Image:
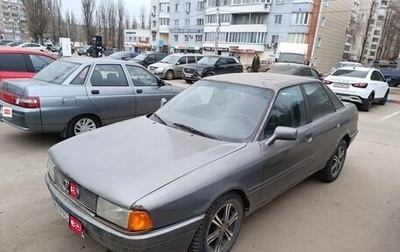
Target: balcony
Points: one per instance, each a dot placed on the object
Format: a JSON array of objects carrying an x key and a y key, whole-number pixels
[{"x": 244, "y": 8}]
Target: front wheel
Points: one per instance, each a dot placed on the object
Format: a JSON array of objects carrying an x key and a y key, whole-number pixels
[
  {"x": 367, "y": 104},
  {"x": 82, "y": 124},
  {"x": 335, "y": 164},
  {"x": 384, "y": 99},
  {"x": 220, "y": 226},
  {"x": 169, "y": 75}
]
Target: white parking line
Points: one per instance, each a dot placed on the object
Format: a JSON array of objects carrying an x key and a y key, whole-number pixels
[{"x": 382, "y": 119}]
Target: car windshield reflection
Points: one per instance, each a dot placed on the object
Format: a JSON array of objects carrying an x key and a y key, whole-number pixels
[
  {"x": 57, "y": 72},
  {"x": 228, "y": 112}
]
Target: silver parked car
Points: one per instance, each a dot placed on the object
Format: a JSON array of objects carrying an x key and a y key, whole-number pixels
[
  {"x": 183, "y": 178},
  {"x": 72, "y": 96},
  {"x": 171, "y": 66}
]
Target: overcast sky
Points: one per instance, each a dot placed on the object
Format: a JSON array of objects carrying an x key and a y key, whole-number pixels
[{"x": 132, "y": 7}]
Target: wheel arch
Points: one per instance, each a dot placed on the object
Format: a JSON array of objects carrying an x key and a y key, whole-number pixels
[{"x": 95, "y": 116}]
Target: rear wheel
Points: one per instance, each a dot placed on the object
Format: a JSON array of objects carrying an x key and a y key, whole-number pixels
[
  {"x": 220, "y": 226},
  {"x": 367, "y": 104},
  {"x": 82, "y": 124},
  {"x": 169, "y": 75},
  {"x": 335, "y": 164},
  {"x": 189, "y": 81}
]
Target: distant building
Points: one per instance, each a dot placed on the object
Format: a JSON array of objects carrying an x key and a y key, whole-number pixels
[
  {"x": 13, "y": 22},
  {"x": 137, "y": 40}
]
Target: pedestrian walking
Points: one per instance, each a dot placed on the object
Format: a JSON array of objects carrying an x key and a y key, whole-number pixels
[{"x": 255, "y": 65}]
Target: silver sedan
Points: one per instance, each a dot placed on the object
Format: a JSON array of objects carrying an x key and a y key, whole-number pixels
[{"x": 72, "y": 96}]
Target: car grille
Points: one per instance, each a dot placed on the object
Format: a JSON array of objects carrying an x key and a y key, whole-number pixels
[
  {"x": 87, "y": 198},
  {"x": 189, "y": 70},
  {"x": 152, "y": 68}
]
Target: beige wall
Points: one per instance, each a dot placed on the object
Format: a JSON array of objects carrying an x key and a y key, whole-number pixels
[{"x": 331, "y": 34}]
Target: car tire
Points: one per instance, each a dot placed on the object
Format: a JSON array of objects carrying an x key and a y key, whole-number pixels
[
  {"x": 367, "y": 104},
  {"x": 209, "y": 74},
  {"x": 210, "y": 235},
  {"x": 82, "y": 124},
  {"x": 189, "y": 81},
  {"x": 335, "y": 164},
  {"x": 169, "y": 75},
  {"x": 249, "y": 69},
  {"x": 384, "y": 99}
]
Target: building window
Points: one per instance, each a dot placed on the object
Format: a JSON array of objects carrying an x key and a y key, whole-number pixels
[
  {"x": 199, "y": 38},
  {"x": 175, "y": 38},
  {"x": 225, "y": 18},
  {"x": 188, "y": 8},
  {"x": 154, "y": 37},
  {"x": 176, "y": 22},
  {"x": 211, "y": 19},
  {"x": 319, "y": 42},
  {"x": 200, "y": 21},
  {"x": 278, "y": 19},
  {"x": 301, "y": 18},
  {"x": 280, "y": 1},
  {"x": 200, "y": 5},
  {"x": 186, "y": 38},
  {"x": 164, "y": 7},
  {"x": 187, "y": 22},
  {"x": 164, "y": 21},
  {"x": 297, "y": 38},
  {"x": 274, "y": 39},
  {"x": 176, "y": 7},
  {"x": 323, "y": 21},
  {"x": 154, "y": 23}
]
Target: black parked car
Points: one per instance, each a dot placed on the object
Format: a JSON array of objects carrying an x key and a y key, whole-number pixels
[
  {"x": 147, "y": 58},
  {"x": 211, "y": 65},
  {"x": 392, "y": 76},
  {"x": 123, "y": 55},
  {"x": 295, "y": 69}
]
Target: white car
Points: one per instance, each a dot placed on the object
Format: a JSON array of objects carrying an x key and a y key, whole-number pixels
[
  {"x": 32, "y": 46},
  {"x": 360, "y": 85}
]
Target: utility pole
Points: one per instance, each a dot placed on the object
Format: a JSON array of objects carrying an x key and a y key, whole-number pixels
[{"x": 217, "y": 28}]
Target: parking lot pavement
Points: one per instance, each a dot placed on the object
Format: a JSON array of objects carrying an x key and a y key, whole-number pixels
[{"x": 358, "y": 212}]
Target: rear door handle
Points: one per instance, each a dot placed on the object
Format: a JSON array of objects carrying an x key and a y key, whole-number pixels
[
  {"x": 139, "y": 91},
  {"x": 95, "y": 91}
]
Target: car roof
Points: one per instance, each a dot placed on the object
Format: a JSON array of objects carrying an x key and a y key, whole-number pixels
[
  {"x": 105, "y": 60},
  {"x": 186, "y": 54},
  {"x": 262, "y": 80},
  {"x": 7, "y": 49},
  {"x": 361, "y": 69}
]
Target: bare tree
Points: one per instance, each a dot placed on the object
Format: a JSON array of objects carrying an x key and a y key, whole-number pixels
[
  {"x": 111, "y": 23},
  {"x": 142, "y": 17},
  {"x": 121, "y": 15},
  {"x": 88, "y": 7},
  {"x": 389, "y": 44},
  {"x": 370, "y": 17},
  {"x": 37, "y": 13}
]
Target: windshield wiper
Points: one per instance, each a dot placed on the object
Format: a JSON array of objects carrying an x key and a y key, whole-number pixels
[
  {"x": 195, "y": 131},
  {"x": 159, "y": 119}
]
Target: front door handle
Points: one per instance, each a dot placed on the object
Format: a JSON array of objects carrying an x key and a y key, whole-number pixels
[
  {"x": 139, "y": 91},
  {"x": 95, "y": 91}
]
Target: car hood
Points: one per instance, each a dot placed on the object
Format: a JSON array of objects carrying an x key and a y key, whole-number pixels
[
  {"x": 126, "y": 161},
  {"x": 344, "y": 79},
  {"x": 20, "y": 86}
]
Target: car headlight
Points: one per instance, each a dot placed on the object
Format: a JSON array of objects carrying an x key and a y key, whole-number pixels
[
  {"x": 50, "y": 168},
  {"x": 133, "y": 220},
  {"x": 160, "y": 69}
]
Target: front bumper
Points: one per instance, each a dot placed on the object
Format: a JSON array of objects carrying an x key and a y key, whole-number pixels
[
  {"x": 191, "y": 77},
  {"x": 176, "y": 237}
]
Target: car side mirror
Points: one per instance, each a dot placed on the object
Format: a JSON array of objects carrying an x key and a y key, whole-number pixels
[
  {"x": 163, "y": 101},
  {"x": 282, "y": 133},
  {"x": 177, "y": 63}
]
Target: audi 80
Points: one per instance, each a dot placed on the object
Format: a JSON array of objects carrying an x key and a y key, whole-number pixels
[
  {"x": 183, "y": 178},
  {"x": 73, "y": 96}
]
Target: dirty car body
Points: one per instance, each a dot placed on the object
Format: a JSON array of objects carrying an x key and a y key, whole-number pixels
[
  {"x": 72, "y": 96},
  {"x": 183, "y": 178}
]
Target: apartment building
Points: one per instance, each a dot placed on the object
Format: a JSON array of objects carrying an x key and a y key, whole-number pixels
[
  {"x": 332, "y": 32},
  {"x": 13, "y": 22},
  {"x": 160, "y": 23}
]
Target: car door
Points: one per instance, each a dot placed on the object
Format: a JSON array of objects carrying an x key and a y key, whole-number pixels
[
  {"x": 286, "y": 162},
  {"x": 109, "y": 91},
  {"x": 380, "y": 82},
  {"x": 148, "y": 90},
  {"x": 178, "y": 67},
  {"x": 326, "y": 122},
  {"x": 14, "y": 65},
  {"x": 221, "y": 66}
]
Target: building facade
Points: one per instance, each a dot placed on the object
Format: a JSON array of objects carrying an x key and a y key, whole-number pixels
[
  {"x": 137, "y": 40},
  {"x": 13, "y": 22}
]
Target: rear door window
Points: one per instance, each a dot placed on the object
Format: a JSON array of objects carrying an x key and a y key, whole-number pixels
[{"x": 13, "y": 62}]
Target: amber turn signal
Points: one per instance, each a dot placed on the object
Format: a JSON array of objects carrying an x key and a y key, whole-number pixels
[{"x": 140, "y": 221}]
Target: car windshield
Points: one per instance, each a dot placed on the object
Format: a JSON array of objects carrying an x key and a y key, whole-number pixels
[
  {"x": 208, "y": 60},
  {"x": 172, "y": 59},
  {"x": 57, "y": 72},
  {"x": 350, "y": 73},
  {"x": 141, "y": 56},
  {"x": 229, "y": 112}
]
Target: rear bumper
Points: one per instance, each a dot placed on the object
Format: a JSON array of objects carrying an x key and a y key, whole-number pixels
[
  {"x": 176, "y": 237},
  {"x": 22, "y": 118},
  {"x": 351, "y": 98}
]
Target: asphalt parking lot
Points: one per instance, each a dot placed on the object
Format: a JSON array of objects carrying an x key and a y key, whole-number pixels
[{"x": 358, "y": 212}]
